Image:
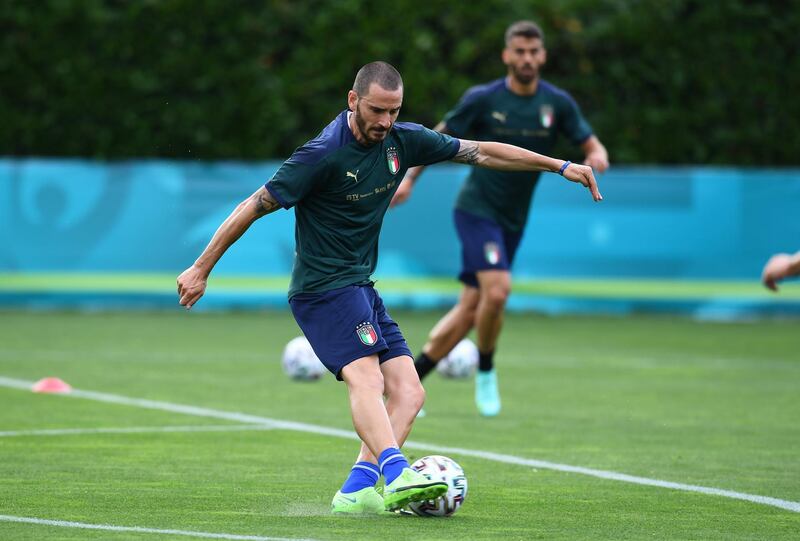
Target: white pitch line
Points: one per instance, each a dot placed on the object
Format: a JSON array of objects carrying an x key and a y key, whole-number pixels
[
  {"x": 188, "y": 410},
  {"x": 132, "y": 430},
  {"x": 111, "y": 528},
  {"x": 614, "y": 476},
  {"x": 486, "y": 455}
]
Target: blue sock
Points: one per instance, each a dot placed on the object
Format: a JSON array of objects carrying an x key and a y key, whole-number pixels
[
  {"x": 392, "y": 463},
  {"x": 363, "y": 475}
]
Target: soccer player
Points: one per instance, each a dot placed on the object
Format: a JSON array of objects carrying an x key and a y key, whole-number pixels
[
  {"x": 492, "y": 207},
  {"x": 340, "y": 185},
  {"x": 779, "y": 267}
]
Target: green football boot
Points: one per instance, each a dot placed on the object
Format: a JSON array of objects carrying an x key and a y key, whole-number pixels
[
  {"x": 411, "y": 486},
  {"x": 366, "y": 501}
]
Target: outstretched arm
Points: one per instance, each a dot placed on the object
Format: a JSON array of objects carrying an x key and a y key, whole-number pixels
[
  {"x": 596, "y": 154},
  {"x": 192, "y": 282},
  {"x": 778, "y": 267},
  {"x": 511, "y": 158},
  {"x": 404, "y": 190}
]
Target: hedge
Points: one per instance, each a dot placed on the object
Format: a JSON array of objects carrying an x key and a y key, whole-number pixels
[{"x": 661, "y": 81}]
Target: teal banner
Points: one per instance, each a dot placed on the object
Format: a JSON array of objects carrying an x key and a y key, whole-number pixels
[{"x": 156, "y": 216}]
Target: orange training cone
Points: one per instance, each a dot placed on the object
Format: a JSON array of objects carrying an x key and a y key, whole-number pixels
[{"x": 51, "y": 385}]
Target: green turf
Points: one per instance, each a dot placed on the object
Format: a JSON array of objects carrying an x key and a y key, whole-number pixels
[
  {"x": 698, "y": 403},
  {"x": 629, "y": 289}
]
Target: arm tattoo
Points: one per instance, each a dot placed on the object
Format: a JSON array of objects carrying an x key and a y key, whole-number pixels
[
  {"x": 265, "y": 203},
  {"x": 468, "y": 153}
]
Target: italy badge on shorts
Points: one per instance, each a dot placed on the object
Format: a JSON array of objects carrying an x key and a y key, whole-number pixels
[
  {"x": 366, "y": 333},
  {"x": 393, "y": 160},
  {"x": 492, "y": 253}
]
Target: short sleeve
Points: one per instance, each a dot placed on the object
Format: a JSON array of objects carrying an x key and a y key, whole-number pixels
[
  {"x": 572, "y": 123},
  {"x": 294, "y": 181},
  {"x": 462, "y": 117},
  {"x": 427, "y": 147}
]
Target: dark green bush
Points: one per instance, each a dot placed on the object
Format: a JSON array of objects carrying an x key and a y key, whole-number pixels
[{"x": 662, "y": 81}]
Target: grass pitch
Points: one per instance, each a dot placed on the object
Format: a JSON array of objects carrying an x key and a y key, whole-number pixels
[{"x": 706, "y": 404}]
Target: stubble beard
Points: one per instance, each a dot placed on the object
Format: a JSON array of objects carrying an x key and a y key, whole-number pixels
[
  {"x": 361, "y": 125},
  {"x": 526, "y": 77}
]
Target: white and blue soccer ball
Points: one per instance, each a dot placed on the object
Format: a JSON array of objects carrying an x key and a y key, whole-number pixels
[
  {"x": 461, "y": 362},
  {"x": 441, "y": 468},
  {"x": 300, "y": 362}
]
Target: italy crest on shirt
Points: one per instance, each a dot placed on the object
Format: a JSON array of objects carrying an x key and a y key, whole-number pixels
[
  {"x": 366, "y": 333},
  {"x": 546, "y": 115},
  {"x": 393, "y": 160}
]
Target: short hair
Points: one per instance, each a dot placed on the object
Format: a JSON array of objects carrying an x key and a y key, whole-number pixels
[
  {"x": 527, "y": 29},
  {"x": 379, "y": 72}
]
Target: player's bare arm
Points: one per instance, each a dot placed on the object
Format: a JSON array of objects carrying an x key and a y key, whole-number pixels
[
  {"x": 404, "y": 190},
  {"x": 596, "y": 154},
  {"x": 505, "y": 157},
  {"x": 192, "y": 282}
]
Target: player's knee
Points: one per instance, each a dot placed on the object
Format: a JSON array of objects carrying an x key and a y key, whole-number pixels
[
  {"x": 369, "y": 382},
  {"x": 415, "y": 395},
  {"x": 468, "y": 311},
  {"x": 497, "y": 295},
  {"x": 409, "y": 394},
  {"x": 468, "y": 303}
]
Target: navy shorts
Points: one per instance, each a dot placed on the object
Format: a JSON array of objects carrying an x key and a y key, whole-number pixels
[
  {"x": 346, "y": 324},
  {"x": 484, "y": 246}
]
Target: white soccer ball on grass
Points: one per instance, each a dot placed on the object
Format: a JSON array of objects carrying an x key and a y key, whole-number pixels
[
  {"x": 461, "y": 362},
  {"x": 437, "y": 467},
  {"x": 300, "y": 362}
]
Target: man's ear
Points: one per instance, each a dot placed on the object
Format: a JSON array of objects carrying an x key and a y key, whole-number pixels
[{"x": 352, "y": 100}]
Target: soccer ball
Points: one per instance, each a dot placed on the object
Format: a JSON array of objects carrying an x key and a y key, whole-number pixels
[
  {"x": 300, "y": 362},
  {"x": 437, "y": 467},
  {"x": 461, "y": 362}
]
